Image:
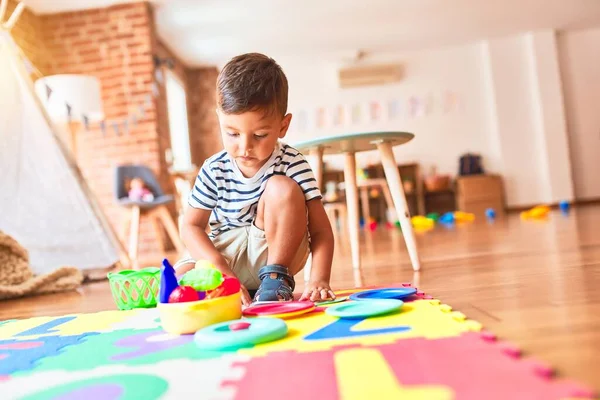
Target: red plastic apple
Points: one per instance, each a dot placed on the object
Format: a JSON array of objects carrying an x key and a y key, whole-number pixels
[
  {"x": 230, "y": 285},
  {"x": 183, "y": 294}
]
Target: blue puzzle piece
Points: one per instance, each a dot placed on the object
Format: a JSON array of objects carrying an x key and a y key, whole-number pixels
[
  {"x": 342, "y": 328},
  {"x": 21, "y": 355},
  {"x": 48, "y": 327}
]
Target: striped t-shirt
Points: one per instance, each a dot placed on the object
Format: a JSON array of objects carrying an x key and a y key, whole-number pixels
[{"x": 233, "y": 198}]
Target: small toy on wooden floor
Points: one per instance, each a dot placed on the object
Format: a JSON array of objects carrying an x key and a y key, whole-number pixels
[
  {"x": 421, "y": 223},
  {"x": 564, "y": 207},
  {"x": 537, "y": 212},
  {"x": 490, "y": 213}
]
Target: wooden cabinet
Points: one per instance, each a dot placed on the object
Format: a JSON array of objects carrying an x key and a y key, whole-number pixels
[{"x": 477, "y": 193}]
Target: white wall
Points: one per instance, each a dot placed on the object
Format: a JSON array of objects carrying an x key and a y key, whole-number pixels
[
  {"x": 441, "y": 137},
  {"x": 579, "y": 54},
  {"x": 512, "y": 111},
  {"x": 527, "y": 118}
]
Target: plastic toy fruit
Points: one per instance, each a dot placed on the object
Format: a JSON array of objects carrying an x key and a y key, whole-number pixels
[
  {"x": 182, "y": 294},
  {"x": 202, "y": 279},
  {"x": 204, "y": 264},
  {"x": 230, "y": 285}
]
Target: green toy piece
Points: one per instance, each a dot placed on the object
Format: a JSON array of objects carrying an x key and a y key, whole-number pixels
[
  {"x": 434, "y": 216},
  {"x": 202, "y": 279},
  {"x": 135, "y": 288}
]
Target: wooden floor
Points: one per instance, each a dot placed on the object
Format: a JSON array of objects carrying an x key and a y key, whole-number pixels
[{"x": 534, "y": 283}]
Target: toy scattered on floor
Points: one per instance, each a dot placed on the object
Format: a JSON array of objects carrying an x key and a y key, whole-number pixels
[
  {"x": 328, "y": 302},
  {"x": 187, "y": 309},
  {"x": 537, "y": 212},
  {"x": 460, "y": 216},
  {"x": 285, "y": 309},
  {"x": 433, "y": 216},
  {"x": 372, "y": 224},
  {"x": 365, "y": 309},
  {"x": 135, "y": 289},
  {"x": 490, "y": 213},
  {"x": 456, "y": 216},
  {"x": 138, "y": 191},
  {"x": 420, "y": 222},
  {"x": 397, "y": 293},
  {"x": 233, "y": 335},
  {"x": 564, "y": 206},
  {"x": 447, "y": 218}
]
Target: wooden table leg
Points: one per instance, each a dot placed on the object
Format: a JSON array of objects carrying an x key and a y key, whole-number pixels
[
  {"x": 395, "y": 183},
  {"x": 388, "y": 201},
  {"x": 352, "y": 205},
  {"x": 316, "y": 163}
]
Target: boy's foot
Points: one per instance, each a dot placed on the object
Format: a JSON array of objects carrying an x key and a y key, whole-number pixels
[{"x": 276, "y": 284}]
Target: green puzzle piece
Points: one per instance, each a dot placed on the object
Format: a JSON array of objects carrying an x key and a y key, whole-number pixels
[
  {"x": 125, "y": 387},
  {"x": 129, "y": 347}
]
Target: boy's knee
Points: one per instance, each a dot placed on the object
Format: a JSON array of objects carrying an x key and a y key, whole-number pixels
[{"x": 282, "y": 188}]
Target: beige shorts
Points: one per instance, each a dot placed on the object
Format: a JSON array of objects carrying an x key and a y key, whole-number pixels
[{"x": 246, "y": 251}]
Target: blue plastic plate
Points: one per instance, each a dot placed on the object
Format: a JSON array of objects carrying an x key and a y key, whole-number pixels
[
  {"x": 364, "y": 309},
  {"x": 386, "y": 293}
]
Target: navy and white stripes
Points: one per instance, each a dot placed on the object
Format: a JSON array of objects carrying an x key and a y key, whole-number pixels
[{"x": 233, "y": 198}]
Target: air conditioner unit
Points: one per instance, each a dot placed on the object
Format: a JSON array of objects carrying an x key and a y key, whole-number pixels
[{"x": 369, "y": 75}]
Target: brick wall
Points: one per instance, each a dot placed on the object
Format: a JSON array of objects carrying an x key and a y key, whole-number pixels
[
  {"x": 205, "y": 137},
  {"x": 117, "y": 44}
]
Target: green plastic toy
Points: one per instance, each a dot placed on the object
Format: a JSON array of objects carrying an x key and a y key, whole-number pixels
[
  {"x": 434, "y": 216},
  {"x": 135, "y": 289},
  {"x": 202, "y": 279}
]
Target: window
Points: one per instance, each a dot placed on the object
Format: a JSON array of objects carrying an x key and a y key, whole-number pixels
[{"x": 178, "y": 123}]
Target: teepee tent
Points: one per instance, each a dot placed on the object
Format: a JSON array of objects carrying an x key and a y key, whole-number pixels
[{"x": 45, "y": 203}]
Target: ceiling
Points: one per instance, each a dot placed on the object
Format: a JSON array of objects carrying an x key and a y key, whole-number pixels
[{"x": 209, "y": 32}]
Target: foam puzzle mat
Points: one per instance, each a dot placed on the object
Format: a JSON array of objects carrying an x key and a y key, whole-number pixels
[{"x": 425, "y": 351}]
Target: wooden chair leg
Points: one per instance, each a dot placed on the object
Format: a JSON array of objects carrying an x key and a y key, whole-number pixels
[
  {"x": 154, "y": 219},
  {"x": 352, "y": 204},
  {"x": 134, "y": 236},
  {"x": 364, "y": 202},
  {"x": 395, "y": 184},
  {"x": 163, "y": 213}
]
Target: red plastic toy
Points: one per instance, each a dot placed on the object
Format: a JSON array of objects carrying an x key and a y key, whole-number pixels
[{"x": 183, "y": 294}]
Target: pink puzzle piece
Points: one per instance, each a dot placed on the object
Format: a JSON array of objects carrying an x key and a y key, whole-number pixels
[{"x": 472, "y": 366}]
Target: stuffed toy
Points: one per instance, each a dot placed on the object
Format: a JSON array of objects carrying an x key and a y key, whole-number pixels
[{"x": 138, "y": 191}]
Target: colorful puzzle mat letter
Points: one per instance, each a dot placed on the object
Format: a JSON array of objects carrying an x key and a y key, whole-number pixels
[{"x": 423, "y": 351}]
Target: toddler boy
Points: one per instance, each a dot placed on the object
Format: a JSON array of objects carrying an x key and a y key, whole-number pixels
[{"x": 259, "y": 195}]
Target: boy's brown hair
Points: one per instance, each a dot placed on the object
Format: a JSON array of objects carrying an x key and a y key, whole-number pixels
[{"x": 251, "y": 82}]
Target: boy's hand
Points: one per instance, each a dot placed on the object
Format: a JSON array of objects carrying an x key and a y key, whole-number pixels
[
  {"x": 246, "y": 299},
  {"x": 317, "y": 291}
]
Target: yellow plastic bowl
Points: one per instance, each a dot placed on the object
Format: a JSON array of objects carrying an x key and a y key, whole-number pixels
[{"x": 188, "y": 317}]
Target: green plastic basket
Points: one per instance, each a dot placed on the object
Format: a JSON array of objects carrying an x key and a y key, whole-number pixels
[{"x": 135, "y": 289}]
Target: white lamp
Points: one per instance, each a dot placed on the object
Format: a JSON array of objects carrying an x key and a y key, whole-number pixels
[{"x": 81, "y": 92}]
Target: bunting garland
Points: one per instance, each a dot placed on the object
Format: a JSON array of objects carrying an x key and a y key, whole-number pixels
[{"x": 414, "y": 106}]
